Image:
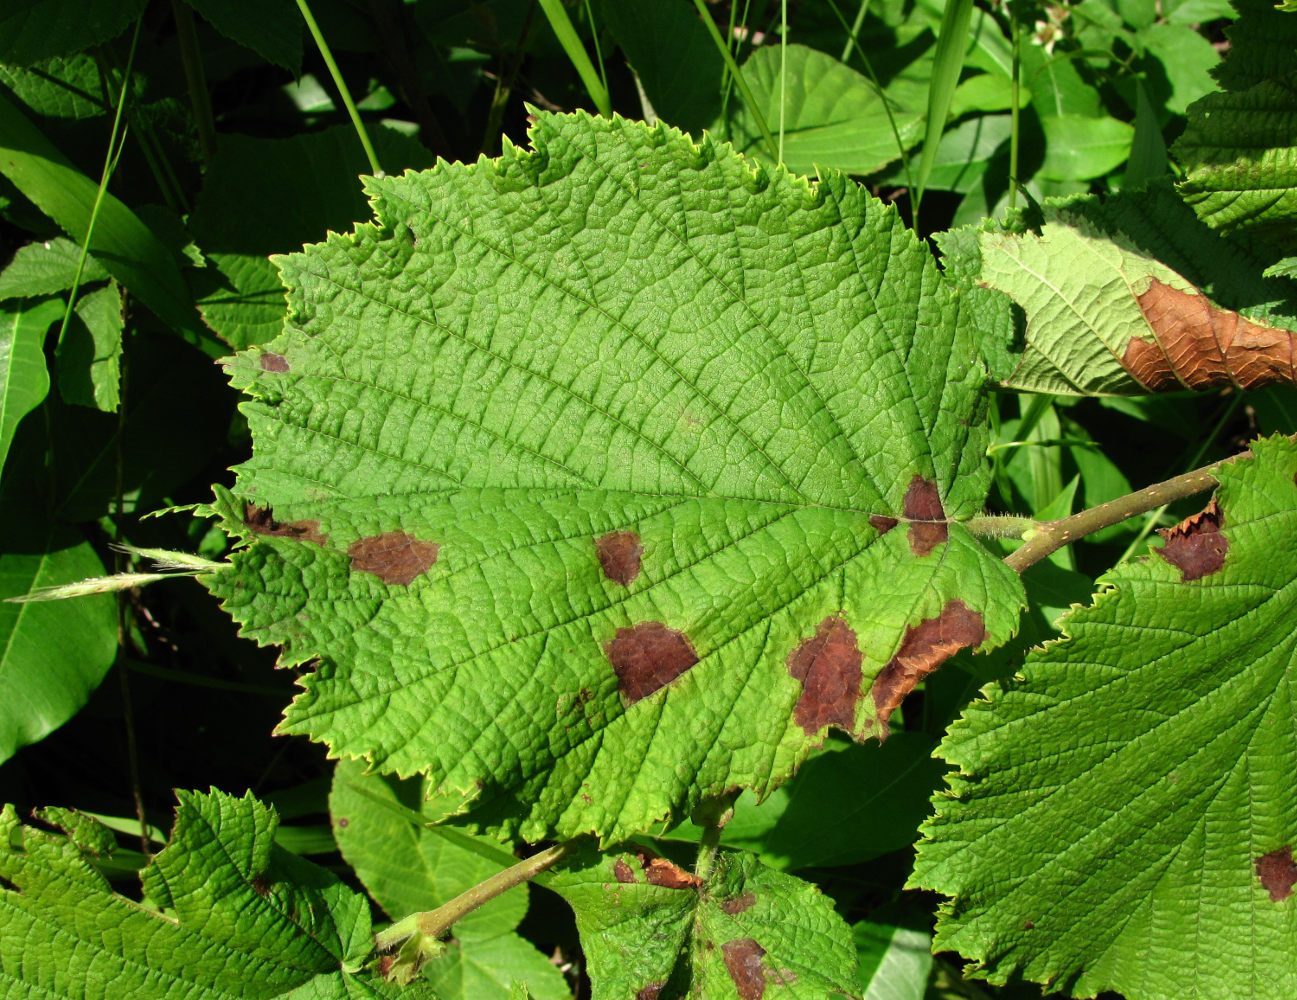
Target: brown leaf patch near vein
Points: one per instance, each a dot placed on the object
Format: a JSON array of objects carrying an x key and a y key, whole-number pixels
[
  {"x": 394, "y": 556},
  {"x": 922, "y": 508},
  {"x": 1202, "y": 346},
  {"x": 262, "y": 521},
  {"x": 619, "y": 555},
  {"x": 742, "y": 958},
  {"x": 1277, "y": 873},
  {"x": 739, "y": 903},
  {"x": 925, "y": 647},
  {"x": 828, "y": 665},
  {"x": 647, "y": 657},
  {"x": 1195, "y": 546},
  {"x": 271, "y": 362}
]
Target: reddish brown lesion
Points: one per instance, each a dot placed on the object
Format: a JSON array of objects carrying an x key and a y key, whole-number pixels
[
  {"x": 925, "y": 647},
  {"x": 395, "y": 557},
  {"x": 647, "y": 657},
  {"x": 926, "y": 516},
  {"x": 272, "y": 362},
  {"x": 1198, "y": 345},
  {"x": 1196, "y": 546},
  {"x": 1277, "y": 873},
  {"x": 619, "y": 554},
  {"x": 743, "y": 959},
  {"x": 262, "y": 521},
  {"x": 828, "y": 666}
]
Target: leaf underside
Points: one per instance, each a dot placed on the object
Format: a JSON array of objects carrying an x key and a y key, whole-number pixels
[
  {"x": 1123, "y": 817},
  {"x": 605, "y": 476}
]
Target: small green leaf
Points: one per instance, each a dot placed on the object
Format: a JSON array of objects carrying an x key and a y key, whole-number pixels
[
  {"x": 650, "y": 929},
  {"x": 24, "y": 380},
  {"x": 89, "y": 355},
  {"x": 1121, "y": 814},
  {"x": 54, "y": 654},
  {"x": 275, "y": 33},
  {"x": 832, "y": 115},
  {"x": 122, "y": 243},
  {"x": 1079, "y": 148},
  {"x": 31, "y": 30},
  {"x": 45, "y": 268},
  {"x": 895, "y": 960},
  {"x": 239, "y": 916}
]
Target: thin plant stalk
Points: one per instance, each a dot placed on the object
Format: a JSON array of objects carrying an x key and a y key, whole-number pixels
[
  {"x": 739, "y": 82},
  {"x": 195, "y": 79},
  {"x": 1015, "y": 73},
  {"x": 341, "y": 84},
  {"x": 116, "y": 141},
  {"x": 577, "y": 55},
  {"x": 783, "y": 73}
]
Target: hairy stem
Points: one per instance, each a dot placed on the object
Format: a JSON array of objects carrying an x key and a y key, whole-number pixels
[
  {"x": 434, "y": 923},
  {"x": 711, "y": 814},
  {"x": 1053, "y": 535}
]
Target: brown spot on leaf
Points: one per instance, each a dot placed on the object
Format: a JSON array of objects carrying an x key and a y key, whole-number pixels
[
  {"x": 828, "y": 665},
  {"x": 882, "y": 523},
  {"x": 1028, "y": 925},
  {"x": 1195, "y": 546},
  {"x": 262, "y": 521},
  {"x": 648, "y": 656},
  {"x": 273, "y": 362},
  {"x": 1202, "y": 346},
  {"x": 343, "y": 822},
  {"x": 394, "y": 556},
  {"x": 619, "y": 554},
  {"x": 925, "y": 647},
  {"x": 661, "y": 872},
  {"x": 650, "y": 991},
  {"x": 260, "y": 884},
  {"x": 738, "y": 904},
  {"x": 922, "y": 507},
  {"x": 1277, "y": 873},
  {"x": 743, "y": 962},
  {"x": 623, "y": 872}
]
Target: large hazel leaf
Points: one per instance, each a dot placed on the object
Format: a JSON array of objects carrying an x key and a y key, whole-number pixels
[
  {"x": 1123, "y": 817},
  {"x": 599, "y": 478},
  {"x": 239, "y": 916},
  {"x": 651, "y": 930}
]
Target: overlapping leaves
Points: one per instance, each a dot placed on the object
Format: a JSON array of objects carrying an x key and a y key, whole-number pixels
[
  {"x": 1123, "y": 818},
  {"x": 605, "y": 476}
]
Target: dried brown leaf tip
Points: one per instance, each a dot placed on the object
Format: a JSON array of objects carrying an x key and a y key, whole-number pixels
[
  {"x": 648, "y": 656},
  {"x": 619, "y": 554},
  {"x": 1277, "y": 873},
  {"x": 262, "y": 521},
  {"x": 743, "y": 962},
  {"x": 1195, "y": 546},
  {"x": 394, "y": 557},
  {"x": 271, "y": 362},
  {"x": 1202, "y": 346},
  {"x": 657, "y": 871},
  {"x": 922, "y": 508},
  {"x": 828, "y": 665},
  {"x": 925, "y": 647}
]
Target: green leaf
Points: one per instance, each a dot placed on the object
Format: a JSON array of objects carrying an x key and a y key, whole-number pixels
[
  {"x": 275, "y": 33},
  {"x": 54, "y": 653},
  {"x": 24, "y": 380},
  {"x": 89, "y": 355},
  {"x": 895, "y": 960},
  {"x": 122, "y": 243},
  {"x": 1104, "y": 317},
  {"x": 239, "y": 916},
  {"x": 832, "y": 115},
  {"x": 31, "y": 30},
  {"x": 648, "y": 463},
  {"x": 45, "y": 268},
  {"x": 1187, "y": 59},
  {"x": 409, "y": 867},
  {"x": 1240, "y": 161},
  {"x": 1122, "y": 814},
  {"x": 966, "y": 152},
  {"x": 61, "y": 87},
  {"x": 1262, "y": 45},
  {"x": 265, "y": 196},
  {"x": 649, "y": 929},
  {"x": 947, "y": 63},
  {"x": 1079, "y": 148}
]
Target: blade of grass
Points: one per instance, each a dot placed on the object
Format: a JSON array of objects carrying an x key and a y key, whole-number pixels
[
  {"x": 739, "y": 82},
  {"x": 576, "y": 53},
  {"x": 120, "y": 241},
  {"x": 1016, "y": 33},
  {"x": 191, "y": 59},
  {"x": 327, "y": 54},
  {"x": 946, "y": 67}
]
